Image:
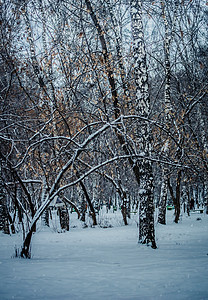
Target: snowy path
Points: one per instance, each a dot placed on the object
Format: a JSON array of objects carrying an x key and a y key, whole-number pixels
[{"x": 96, "y": 263}]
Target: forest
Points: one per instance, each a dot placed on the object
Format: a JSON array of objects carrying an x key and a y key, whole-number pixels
[{"x": 103, "y": 104}]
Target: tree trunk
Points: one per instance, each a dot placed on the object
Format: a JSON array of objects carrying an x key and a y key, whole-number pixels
[
  {"x": 176, "y": 199},
  {"x": 64, "y": 218},
  {"x": 83, "y": 209},
  {"x": 188, "y": 200},
  {"x": 4, "y": 224},
  {"x": 146, "y": 210},
  {"x": 178, "y": 194},
  {"x": 206, "y": 196},
  {"x": 124, "y": 206},
  {"x": 72, "y": 205},
  {"x": 167, "y": 111},
  {"x": 124, "y": 213},
  {"x": 25, "y": 252},
  {"x": 205, "y": 154},
  {"x": 163, "y": 198},
  {"x": 92, "y": 210}
]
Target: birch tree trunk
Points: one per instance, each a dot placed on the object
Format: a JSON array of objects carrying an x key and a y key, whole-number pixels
[
  {"x": 205, "y": 154},
  {"x": 146, "y": 209},
  {"x": 168, "y": 110},
  {"x": 163, "y": 197},
  {"x": 4, "y": 224}
]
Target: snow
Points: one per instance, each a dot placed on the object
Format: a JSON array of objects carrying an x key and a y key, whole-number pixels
[{"x": 108, "y": 263}]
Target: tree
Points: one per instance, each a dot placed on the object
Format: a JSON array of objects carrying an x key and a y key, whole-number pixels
[
  {"x": 146, "y": 210},
  {"x": 4, "y": 220},
  {"x": 168, "y": 112}
]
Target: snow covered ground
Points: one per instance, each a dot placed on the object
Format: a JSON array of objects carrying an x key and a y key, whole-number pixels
[{"x": 108, "y": 263}]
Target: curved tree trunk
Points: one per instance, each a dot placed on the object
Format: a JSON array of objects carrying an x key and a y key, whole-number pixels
[
  {"x": 72, "y": 205},
  {"x": 92, "y": 210},
  {"x": 25, "y": 252}
]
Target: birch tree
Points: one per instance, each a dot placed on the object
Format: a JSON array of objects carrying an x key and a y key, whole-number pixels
[
  {"x": 146, "y": 208},
  {"x": 168, "y": 111}
]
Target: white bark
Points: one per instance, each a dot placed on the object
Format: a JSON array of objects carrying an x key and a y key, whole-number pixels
[{"x": 146, "y": 211}]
